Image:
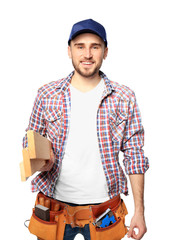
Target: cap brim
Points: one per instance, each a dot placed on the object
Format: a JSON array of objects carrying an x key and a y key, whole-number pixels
[{"x": 85, "y": 31}]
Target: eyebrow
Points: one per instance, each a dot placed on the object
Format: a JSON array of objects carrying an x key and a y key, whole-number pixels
[{"x": 93, "y": 44}]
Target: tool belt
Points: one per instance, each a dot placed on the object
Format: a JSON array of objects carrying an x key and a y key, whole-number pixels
[{"x": 62, "y": 214}]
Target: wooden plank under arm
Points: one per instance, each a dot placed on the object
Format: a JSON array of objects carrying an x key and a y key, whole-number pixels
[
  {"x": 35, "y": 156},
  {"x": 26, "y": 162},
  {"x": 22, "y": 172},
  {"x": 39, "y": 146}
]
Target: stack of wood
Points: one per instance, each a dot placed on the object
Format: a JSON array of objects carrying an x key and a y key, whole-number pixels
[{"x": 35, "y": 155}]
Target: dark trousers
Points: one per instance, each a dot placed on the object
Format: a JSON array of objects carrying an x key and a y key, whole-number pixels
[{"x": 70, "y": 232}]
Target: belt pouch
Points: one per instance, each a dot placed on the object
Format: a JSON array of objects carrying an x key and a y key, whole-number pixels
[
  {"x": 48, "y": 230},
  {"x": 115, "y": 231},
  {"x": 42, "y": 229}
]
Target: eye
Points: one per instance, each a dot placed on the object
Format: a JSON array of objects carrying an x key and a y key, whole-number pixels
[
  {"x": 80, "y": 47},
  {"x": 95, "y": 47}
]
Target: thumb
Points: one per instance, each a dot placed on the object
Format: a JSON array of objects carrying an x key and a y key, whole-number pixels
[{"x": 129, "y": 233}]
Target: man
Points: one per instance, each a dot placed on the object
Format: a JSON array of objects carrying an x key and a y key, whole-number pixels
[{"x": 89, "y": 120}]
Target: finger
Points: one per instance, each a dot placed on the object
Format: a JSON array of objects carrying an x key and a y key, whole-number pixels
[
  {"x": 130, "y": 232},
  {"x": 47, "y": 166},
  {"x": 139, "y": 235},
  {"x": 52, "y": 156},
  {"x": 134, "y": 236}
]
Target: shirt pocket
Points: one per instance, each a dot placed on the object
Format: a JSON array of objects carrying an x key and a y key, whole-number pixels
[
  {"x": 117, "y": 125},
  {"x": 53, "y": 122}
]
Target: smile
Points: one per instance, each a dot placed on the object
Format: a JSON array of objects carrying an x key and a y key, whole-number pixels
[{"x": 87, "y": 63}]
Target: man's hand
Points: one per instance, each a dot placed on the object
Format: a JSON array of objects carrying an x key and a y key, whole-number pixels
[
  {"x": 138, "y": 221},
  {"x": 49, "y": 163}
]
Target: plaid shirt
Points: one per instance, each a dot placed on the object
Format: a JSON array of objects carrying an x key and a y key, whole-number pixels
[{"x": 119, "y": 128}]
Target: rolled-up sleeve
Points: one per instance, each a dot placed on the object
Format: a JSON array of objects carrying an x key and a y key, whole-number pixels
[
  {"x": 135, "y": 161},
  {"x": 36, "y": 122}
]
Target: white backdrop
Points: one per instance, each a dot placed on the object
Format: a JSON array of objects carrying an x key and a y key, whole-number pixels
[{"x": 33, "y": 51}]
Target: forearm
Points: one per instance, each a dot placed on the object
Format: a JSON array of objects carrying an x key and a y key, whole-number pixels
[
  {"x": 137, "y": 184},
  {"x": 138, "y": 220}
]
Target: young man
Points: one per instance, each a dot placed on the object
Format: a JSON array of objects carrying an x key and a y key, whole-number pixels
[{"x": 89, "y": 120}]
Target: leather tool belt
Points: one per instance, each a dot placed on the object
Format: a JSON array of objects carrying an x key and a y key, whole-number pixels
[{"x": 62, "y": 214}]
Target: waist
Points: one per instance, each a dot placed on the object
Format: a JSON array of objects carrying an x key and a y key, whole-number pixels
[
  {"x": 75, "y": 214},
  {"x": 111, "y": 203},
  {"x": 75, "y": 204}
]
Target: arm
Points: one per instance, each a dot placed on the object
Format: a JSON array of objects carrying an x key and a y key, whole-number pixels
[
  {"x": 136, "y": 164},
  {"x": 36, "y": 121},
  {"x": 138, "y": 220},
  {"x": 37, "y": 124}
]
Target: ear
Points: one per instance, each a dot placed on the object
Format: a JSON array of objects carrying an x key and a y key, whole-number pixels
[
  {"x": 105, "y": 52},
  {"x": 69, "y": 52}
]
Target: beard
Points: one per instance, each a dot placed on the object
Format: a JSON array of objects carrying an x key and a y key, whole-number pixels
[{"x": 88, "y": 73}]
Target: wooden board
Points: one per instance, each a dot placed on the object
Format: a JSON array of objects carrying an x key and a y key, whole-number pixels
[
  {"x": 26, "y": 162},
  {"x": 22, "y": 172},
  {"x": 39, "y": 146},
  {"x": 35, "y": 156}
]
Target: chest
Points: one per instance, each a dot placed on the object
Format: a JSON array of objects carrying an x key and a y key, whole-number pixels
[{"x": 109, "y": 113}]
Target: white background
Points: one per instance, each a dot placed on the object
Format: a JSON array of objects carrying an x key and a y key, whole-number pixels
[{"x": 33, "y": 51}]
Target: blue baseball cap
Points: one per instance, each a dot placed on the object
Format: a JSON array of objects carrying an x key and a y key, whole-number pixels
[{"x": 88, "y": 26}]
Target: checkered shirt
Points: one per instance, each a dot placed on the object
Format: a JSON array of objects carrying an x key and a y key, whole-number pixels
[{"x": 119, "y": 128}]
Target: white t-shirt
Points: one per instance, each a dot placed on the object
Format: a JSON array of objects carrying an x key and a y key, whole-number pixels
[{"x": 82, "y": 179}]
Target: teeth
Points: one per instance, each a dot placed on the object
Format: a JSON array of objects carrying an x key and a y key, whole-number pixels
[{"x": 87, "y": 63}]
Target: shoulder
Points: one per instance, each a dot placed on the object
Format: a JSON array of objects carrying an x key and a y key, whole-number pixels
[
  {"x": 122, "y": 91},
  {"x": 119, "y": 91},
  {"x": 55, "y": 87},
  {"x": 50, "y": 89}
]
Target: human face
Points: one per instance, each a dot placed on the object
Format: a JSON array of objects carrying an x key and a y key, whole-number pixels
[{"x": 87, "y": 52}]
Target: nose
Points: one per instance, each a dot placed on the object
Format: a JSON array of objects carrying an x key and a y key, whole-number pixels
[{"x": 88, "y": 53}]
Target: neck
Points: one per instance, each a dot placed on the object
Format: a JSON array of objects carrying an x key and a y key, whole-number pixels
[{"x": 85, "y": 83}]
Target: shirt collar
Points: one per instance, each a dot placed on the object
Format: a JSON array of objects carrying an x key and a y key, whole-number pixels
[
  {"x": 65, "y": 82},
  {"x": 109, "y": 84}
]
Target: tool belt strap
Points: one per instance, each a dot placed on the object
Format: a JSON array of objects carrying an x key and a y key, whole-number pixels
[{"x": 78, "y": 216}]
